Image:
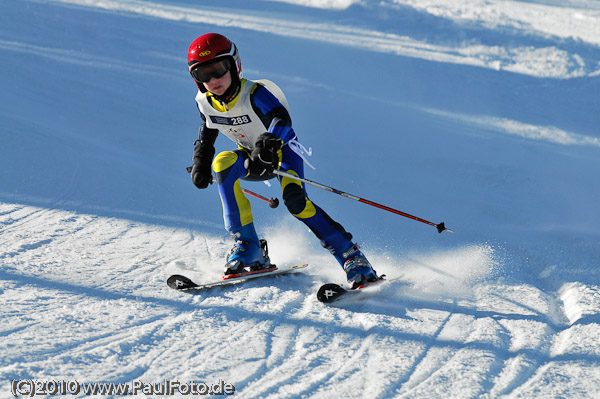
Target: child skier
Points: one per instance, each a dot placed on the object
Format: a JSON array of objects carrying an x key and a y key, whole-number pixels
[{"x": 254, "y": 115}]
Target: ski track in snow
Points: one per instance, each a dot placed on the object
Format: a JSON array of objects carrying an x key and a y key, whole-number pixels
[{"x": 84, "y": 297}]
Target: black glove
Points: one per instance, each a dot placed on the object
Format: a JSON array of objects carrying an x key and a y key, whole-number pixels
[
  {"x": 202, "y": 171},
  {"x": 265, "y": 156}
]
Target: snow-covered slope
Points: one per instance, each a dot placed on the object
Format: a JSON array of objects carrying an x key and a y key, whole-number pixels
[{"x": 480, "y": 114}]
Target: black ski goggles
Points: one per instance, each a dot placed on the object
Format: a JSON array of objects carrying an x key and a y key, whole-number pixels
[{"x": 204, "y": 73}]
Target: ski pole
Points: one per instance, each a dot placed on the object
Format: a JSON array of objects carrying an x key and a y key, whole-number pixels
[
  {"x": 440, "y": 226},
  {"x": 273, "y": 202}
]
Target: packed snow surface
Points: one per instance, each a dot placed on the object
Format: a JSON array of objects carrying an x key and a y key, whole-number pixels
[{"x": 481, "y": 114}]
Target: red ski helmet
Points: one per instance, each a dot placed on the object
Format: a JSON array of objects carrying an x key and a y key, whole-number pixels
[{"x": 211, "y": 47}]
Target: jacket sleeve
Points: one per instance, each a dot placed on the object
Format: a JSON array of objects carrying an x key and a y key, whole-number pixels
[
  {"x": 274, "y": 116},
  {"x": 204, "y": 146}
]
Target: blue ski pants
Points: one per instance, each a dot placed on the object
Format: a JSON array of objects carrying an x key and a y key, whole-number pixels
[{"x": 237, "y": 211}]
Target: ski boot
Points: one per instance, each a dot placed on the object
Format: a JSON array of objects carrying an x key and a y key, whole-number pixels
[
  {"x": 359, "y": 271},
  {"x": 353, "y": 261},
  {"x": 248, "y": 252}
]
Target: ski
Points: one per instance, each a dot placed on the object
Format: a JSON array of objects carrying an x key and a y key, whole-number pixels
[
  {"x": 330, "y": 292},
  {"x": 182, "y": 283}
]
